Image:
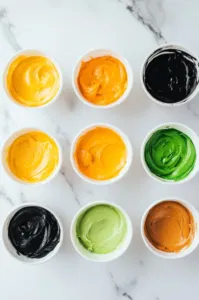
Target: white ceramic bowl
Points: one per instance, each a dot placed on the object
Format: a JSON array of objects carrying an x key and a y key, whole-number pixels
[
  {"x": 183, "y": 252},
  {"x": 190, "y": 133},
  {"x": 98, "y": 53},
  {"x": 31, "y": 52},
  {"x": 101, "y": 257},
  {"x": 126, "y": 142},
  {"x": 8, "y": 142},
  {"x": 143, "y": 68},
  {"x": 10, "y": 248}
]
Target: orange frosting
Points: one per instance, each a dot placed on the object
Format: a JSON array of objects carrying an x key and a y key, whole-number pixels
[
  {"x": 102, "y": 80},
  {"x": 100, "y": 153}
]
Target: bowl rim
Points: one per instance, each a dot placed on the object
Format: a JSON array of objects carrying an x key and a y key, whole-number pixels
[
  {"x": 165, "y": 126},
  {"x": 142, "y": 70},
  {"x": 30, "y": 261},
  {"x": 183, "y": 252},
  {"x": 112, "y": 53},
  {"x": 34, "y": 52},
  {"x": 101, "y": 257}
]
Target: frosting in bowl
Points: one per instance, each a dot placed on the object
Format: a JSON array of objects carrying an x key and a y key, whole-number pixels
[
  {"x": 101, "y": 228},
  {"x": 170, "y": 154},
  {"x": 102, "y": 80},
  {"x": 169, "y": 226},
  {"x": 32, "y": 80},
  {"x": 100, "y": 153},
  {"x": 33, "y": 157},
  {"x": 34, "y": 232},
  {"x": 171, "y": 75}
]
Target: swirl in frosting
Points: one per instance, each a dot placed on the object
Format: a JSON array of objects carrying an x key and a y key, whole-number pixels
[
  {"x": 33, "y": 156},
  {"x": 102, "y": 80},
  {"x": 34, "y": 232},
  {"x": 169, "y": 226},
  {"x": 170, "y": 154},
  {"x": 101, "y": 228},
  {"x": 33, "y": 80},
  {"x": 100, "y": 153}
]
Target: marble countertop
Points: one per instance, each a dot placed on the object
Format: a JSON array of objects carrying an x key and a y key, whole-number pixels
[{"x": 66, "y": 29}]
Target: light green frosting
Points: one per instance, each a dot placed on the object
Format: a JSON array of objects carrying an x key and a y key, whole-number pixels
[
  {"x": 101, "y": 228},
  {"x": 170, "y": 154}
]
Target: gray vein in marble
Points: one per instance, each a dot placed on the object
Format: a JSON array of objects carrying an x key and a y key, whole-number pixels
[
  {"x": 8, "y": 29},
  {"x": 127, "y": 296},
  {"x": 23, "y": 198},
  {"x": 5, "y": 196},
  {"x": 193, "y": 109},
  {"x": 123, "y": 290},
  {"x": 62, "y": 135},
  {"x": 143, "y": 13},
  {"x": 117, "y": 288},
  {"x": 63, "y": 172},
  {"x": 59, "y": 132},
  {"x": 70, "y": 184}
]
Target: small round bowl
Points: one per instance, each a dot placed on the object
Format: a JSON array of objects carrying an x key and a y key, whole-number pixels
[
  {"x": 143, "y": 68},
  {"x": 10, "y": 248},
  {"x": 183, "y": 252},
  {"x": 123, "y": 171},
  {"x": 31, "y": 52},
  {"x": 101, "y": 257},
  {"x": 190, "y": 133},
  {"x": 98, "y": 53},
  {"x": 8, "y": 142}
]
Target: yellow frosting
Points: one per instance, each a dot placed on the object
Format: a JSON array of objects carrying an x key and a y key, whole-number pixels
[
  {"x": 33, "y": 80},
  {"x": 100, "y": 153},
  {"x": 33, "y": 156}
]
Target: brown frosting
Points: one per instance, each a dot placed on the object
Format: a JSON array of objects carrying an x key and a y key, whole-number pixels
[{"x": 169, "y": 226}]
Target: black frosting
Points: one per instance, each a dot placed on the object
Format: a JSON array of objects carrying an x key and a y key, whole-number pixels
[
  {"x": 34, "y": 232},
  {"x": 171, "y": 75}
]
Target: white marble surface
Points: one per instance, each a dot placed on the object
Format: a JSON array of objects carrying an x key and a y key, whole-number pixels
[{"x": 66, "y": 29}]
